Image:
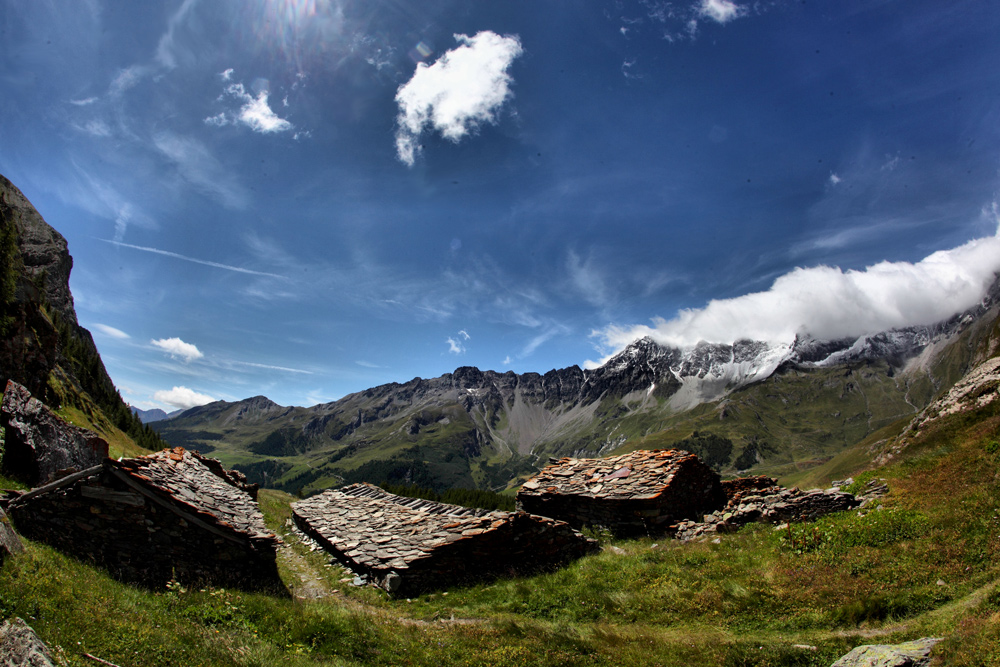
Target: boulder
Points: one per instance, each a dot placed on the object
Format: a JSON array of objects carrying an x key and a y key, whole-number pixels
[
  {"x": 39, "y": 447},
  {"x": 21, "y": 647},
  {"x": 916, "y": 653},
  {"x": 10, "y": 543}
]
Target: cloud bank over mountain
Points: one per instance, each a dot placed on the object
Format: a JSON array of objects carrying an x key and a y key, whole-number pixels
[{"x": 829, "y": 303}]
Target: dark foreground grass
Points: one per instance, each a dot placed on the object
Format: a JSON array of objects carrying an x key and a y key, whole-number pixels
[{"x": 923, "y": 565}]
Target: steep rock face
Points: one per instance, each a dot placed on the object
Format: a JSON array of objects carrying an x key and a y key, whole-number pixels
[
  {"x": 43, "y": 251},
  {"x": 42, "y": 346}
]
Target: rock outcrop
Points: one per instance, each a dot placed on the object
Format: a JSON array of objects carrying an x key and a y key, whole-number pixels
[
  {"x": 10, "y": 543},
  {"x": 916, "y": 653},
  {"x": 21, "y": 647},
  {"x": 408, "y": 545},
  {"x": 39, "y": 447}
]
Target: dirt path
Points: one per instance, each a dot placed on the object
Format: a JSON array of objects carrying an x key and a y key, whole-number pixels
[{"x": 310, "y": 584}]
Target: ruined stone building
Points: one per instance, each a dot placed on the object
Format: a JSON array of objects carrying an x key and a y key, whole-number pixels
[
  {"x": 639, "y": 493},
  {"x": 39, "y": 447},
  {"x": 409, "y": 545},
  {"x": 150, "y": 519}
]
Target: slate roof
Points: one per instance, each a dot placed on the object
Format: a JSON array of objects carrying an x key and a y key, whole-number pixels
[
  {"x": 638, "y": 475},
  {"x": 186, "y": 479},
  {"x": 378, "y": 531}
]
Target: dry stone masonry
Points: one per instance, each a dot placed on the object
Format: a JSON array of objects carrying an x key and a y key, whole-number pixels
[
  {"x": 39, "y": 447},
  {"x": 408, "y": 545},
  {"x": 761, "y": 500},
  {"x": 169, "y": 515},
  {"x": 639, "y": 493}
]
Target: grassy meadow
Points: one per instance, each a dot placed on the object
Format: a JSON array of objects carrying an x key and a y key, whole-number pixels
[{"x": 925, "y": 564}]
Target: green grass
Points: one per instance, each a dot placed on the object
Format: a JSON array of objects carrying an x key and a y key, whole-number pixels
[{"x": 924, "y": 565}]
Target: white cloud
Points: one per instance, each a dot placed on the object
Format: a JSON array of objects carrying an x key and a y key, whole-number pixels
[
  {"x": 829, "y": 303},
  {"x": 722, "y": 11},
  {"x": 183, "y": 398},
  {"x": 454, "y": 346},
  {"x": 227, "y": 74},
  {"x": 255, "y": 112},
  {"x": 463, "y": 89},
  {"x": 464, "y": 334},
  {"x": 218, "y": 120},
  {"x": 507, "y": 360},
  {"x": 257, "y": 115},
  {"x": 834, "y": 179},
  {"x": 83, "y": 102},
  {"x": 175, "y": 347},
  {"x": 112, "y": 332}
]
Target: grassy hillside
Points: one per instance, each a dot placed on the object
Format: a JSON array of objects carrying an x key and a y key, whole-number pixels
[{"x": 923, "y": 565}]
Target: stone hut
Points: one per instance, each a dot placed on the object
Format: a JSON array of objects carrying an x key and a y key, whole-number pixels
[
  {"x": 170, "y": 515},
  {"x": 39, "y": 447},
  {"x": 409, "y": 545},
  {"x": 639, "y": 493}
]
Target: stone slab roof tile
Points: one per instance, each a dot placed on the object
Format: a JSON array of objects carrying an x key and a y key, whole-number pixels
[
  {"x": 640, "y": 475},
  {"x": 380, "y": 530},
  {"x": 186, "y": 479}
]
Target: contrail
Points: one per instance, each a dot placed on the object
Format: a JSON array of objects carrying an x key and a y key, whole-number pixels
[{"x": 175, "y": 255}]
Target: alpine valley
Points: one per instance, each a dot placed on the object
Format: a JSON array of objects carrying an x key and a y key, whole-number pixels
[{"x": 781, "y": 410}]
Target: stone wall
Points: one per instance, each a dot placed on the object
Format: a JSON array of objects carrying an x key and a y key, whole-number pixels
[{"x": 95, "y": 516}]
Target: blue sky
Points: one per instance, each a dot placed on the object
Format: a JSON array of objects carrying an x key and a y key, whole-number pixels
[{"x": 307, "y": 198}]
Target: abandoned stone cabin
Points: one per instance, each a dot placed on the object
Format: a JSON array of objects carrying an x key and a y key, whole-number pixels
[
  {"x": 409, "y": 545},
  {"x": 170, "y": 515},
  {"x": 39, "y": 446},
  {"x": 639, "y": 493}
]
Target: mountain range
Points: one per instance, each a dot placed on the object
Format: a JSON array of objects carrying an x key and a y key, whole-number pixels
[{"x": 749, "y": 405}]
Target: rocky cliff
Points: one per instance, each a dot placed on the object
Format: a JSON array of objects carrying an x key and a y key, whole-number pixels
[{"x": 42, "y": 346}]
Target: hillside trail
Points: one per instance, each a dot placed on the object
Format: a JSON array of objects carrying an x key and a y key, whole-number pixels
[
  {"x": 311, "y": 584},
  {"x": 940, "y": 614}
]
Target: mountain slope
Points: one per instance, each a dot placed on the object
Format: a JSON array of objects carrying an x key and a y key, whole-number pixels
[
  {"x": 42, "y": 346},
  {"x": 746, "y": 405}
]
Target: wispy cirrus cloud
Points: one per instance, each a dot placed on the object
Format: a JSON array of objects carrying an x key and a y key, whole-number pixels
[
  {"x": 199, "y": 167},
  {"x": 167, "y": 48},
  {"x": 178, "y": 349},
  {"x": 463, "y": 89}
]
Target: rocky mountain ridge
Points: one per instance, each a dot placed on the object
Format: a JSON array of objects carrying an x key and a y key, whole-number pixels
[{"x": 774, "y": 403}]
